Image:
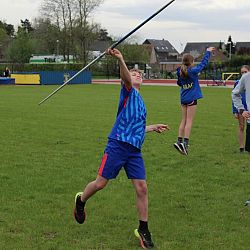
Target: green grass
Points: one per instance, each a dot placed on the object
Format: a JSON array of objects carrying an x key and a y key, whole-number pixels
[{"x": 50, "y": 152}]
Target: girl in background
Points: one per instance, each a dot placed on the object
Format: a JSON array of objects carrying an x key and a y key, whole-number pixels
[
  {"x": 237, "y": 115},
  {"x": 189, "y": 94}
]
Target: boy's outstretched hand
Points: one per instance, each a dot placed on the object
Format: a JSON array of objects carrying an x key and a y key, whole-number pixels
[{"x": 159, "y": 128}]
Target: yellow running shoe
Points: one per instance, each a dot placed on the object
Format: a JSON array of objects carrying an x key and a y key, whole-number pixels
[
  {"x": 79, "y": 212},
  {"x": 145, "y": 239}
]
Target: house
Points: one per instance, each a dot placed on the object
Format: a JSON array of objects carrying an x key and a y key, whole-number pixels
[
  {"x": 242, "y": 48},
  {"x": 197, "y": 49},
  {"x": 218, "y": 56},
  {"x": 151, "y": 51},
  {"x": 97, "y": 47},
  {"x": 163, "y": 50},
  {"x": 162, "y": 54}
]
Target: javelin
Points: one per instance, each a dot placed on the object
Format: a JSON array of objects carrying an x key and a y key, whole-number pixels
[{"x": 112, "y": 47}]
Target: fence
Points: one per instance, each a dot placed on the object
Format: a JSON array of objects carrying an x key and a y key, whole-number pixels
[{"x": 51, "y": 77}]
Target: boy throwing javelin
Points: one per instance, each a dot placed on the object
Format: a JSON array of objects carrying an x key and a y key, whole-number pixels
[{"x": 123, "y": 150}]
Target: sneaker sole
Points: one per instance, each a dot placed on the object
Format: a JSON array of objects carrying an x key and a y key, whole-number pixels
[
  {"x": 183, "y": 149},
  {"x": 247, "y": 203},
  {"x": 139, "y": 237}
]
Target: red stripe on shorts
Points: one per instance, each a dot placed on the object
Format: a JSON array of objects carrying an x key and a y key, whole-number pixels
[{"x": 104, "y": 159}]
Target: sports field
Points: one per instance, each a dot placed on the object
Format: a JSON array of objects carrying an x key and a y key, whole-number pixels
[{"x": 50, "y": 152}]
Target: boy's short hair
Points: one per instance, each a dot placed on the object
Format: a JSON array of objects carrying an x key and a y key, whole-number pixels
[{"x": 137, "y": 70}]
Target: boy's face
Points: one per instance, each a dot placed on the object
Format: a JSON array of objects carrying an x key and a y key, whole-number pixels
[{"x": 136, "y": 79}]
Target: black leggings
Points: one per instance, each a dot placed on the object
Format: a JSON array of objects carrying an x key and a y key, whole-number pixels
[{"x": 247, "y": 144}]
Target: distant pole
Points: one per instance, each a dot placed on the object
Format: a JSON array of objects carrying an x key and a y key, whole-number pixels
[
  {"x": 230, "y": 50},
  {"x": 57, "y": 48}
]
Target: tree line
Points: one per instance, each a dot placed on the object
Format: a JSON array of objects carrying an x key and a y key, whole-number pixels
[
  {"x": 63, "y": 27},
  {"x": 66, "y": 27}
]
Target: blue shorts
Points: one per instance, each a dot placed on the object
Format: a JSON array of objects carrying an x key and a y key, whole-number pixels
[{"x": 120, "y": 154}]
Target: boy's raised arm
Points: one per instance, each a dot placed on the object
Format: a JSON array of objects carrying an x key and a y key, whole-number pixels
[{"x": 124, "y": 72}]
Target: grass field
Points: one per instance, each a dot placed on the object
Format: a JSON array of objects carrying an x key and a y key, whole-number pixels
[{"x": 50, "y": 152}]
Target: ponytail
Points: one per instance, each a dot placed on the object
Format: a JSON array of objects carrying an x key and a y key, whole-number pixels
[
  {"x": 187, "y": 61},
  {"x": 184, "y": 71}
]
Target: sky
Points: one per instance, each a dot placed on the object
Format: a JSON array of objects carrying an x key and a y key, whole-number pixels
[{"x": 183, "y": 21}]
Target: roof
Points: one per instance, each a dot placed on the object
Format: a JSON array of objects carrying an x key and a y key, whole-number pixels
[
  {"x": 161, "y": 45},
  {"x": 216, "y": 56},
  {"x": 99, "y": 45},
  {"x": 199, "y": 46},
  {"x": 242, "y": 45}
]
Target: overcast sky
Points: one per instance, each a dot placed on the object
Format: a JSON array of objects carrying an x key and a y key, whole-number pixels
[{"x": 182, "y": 21}]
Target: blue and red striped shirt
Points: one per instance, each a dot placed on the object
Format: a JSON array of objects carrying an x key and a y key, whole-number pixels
[{"x": 130, "y": 121}]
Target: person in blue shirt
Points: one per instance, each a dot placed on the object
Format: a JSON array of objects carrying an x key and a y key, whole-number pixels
[
  {"x": 190, "y": 92},
  {"x": 123, "y": 150},
  {"x": 237, "y": 115}
]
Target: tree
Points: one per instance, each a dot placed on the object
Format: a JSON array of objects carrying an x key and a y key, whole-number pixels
[
  {"x": 9, "y": 28},
  {"x": 57, "y": 12},
  {"x": 6, "y": 34},
  {"x": 3, "y": 38},
  {"x": 103, "y": 35},
  {"x": 45, "y": 36},
  {"x": 26, "y": 26},
  {"x": 21, "y": 48},
  {"x": 87, "y": 30},
  {"x": 72, "y": 18},
  {"x": 134, "y": 53},
  {"x": 230, "y": 46},
  {"x": 220, "y": 45}
]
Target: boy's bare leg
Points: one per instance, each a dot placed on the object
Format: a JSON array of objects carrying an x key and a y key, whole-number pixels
[
  {"x": 94, "y": 186},
  {"x": 81, "y": 197}
]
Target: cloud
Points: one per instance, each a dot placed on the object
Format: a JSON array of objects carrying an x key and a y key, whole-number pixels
[
  {"x": 14, "y": 10},
  {"x": 209, "y": 5},
  {"x": 182, "y": 21}
]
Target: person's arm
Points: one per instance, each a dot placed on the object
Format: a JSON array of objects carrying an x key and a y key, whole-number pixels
[
  {"x": 159, "y": 128},
  {"x": 178, "y": 77},
  {"x": 234, "y": 109},
  {"x": 236, "y": 95},
  {"x": 124, "y": 72},
  {"x": 198, "y": 68}
]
